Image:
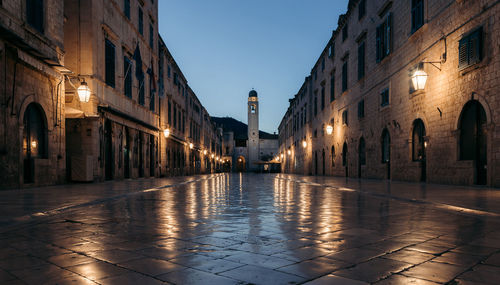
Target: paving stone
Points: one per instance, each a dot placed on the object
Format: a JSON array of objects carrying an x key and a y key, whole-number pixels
[
  {"x": 398, "y": 279},
  {"x": 195, "y": 277},
  {"x": 493, "y": 260},
  {"x": 311, "y": 269},
  {"x": 114, "y": 255},
  {"x": 335, "y": 280},
  {"x": 21, "y": 262},
  {"x": 483, "y": 274},
  {"x": 259, "y": 260},
  {"x": 355, "y": 255},
  {"x": 409, "y": 256},
  {"x": 261, "y": 275},
  {"x": 435, "y": 271},
  {"x": 130, "y": 279},
  {"x": 151, "y": 266},
  {"x": 97, "y": 270},
  {"x": 70, "y": 259},
  {"x": 458, "y": 259},
  {"x": 373, "y": 270}
]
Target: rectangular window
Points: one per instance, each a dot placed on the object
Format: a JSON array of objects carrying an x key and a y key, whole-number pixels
[
  {"x": 34, "y": 14},
  {"x": 176, "y": 79},
  {"x": 169, "y": 71},
  {"x": 417, "y": 14},
  {"x": 344, "y": 118},
  {"x": 344, "y": 32},
  {"x": 151, "y": 94},
  {"x": 175, "y": 116},
  {"x": 127, "y": 77},
  {"x": 361, "y": 109},
  {"x": 151, "y": 36},
  {"x": 126, "y": 8},
  {"x": 470, "y": 49},
  {"x": 322, "y": 98},
  {"x": 323, "y": 64},
  {"x": 141, "y": 93},
  {"x": 315, "y": 105},
  {"x": 384, "y": 98},
  {"x": 141, "y": 23},
  {"x": 109, "y": 55},
  {"x": 361, "y": 60},
  {"x": 344, "y": 76},
  {"x": 361, "y": 9},
  {"x": 331, "y": 51},
  {"x": 169, "y": 112},
  {"x": 332, "y": 88},
  {"x": 384, "y": 38},
  {"x": 315, "y": 74}
]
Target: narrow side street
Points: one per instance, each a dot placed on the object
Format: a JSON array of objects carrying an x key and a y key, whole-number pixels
[{"x": 250, "y": 229}]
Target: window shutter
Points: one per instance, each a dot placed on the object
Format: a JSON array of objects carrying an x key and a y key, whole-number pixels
[
  {"x": 377, "y": 43},
  {"x": 332, "y": 88},
  {"x": 463, "y": 51},
  {"x": 475, "y": 47},
  {"x": 110, "y": 63},
  {"x": 388, "y": 42}
]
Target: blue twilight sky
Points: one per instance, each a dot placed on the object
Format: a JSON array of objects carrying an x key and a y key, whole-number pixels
[{"x": 227, "y": 47}]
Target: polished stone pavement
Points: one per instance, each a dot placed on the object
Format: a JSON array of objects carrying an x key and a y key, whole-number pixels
[{"x": 250, "y": 229}]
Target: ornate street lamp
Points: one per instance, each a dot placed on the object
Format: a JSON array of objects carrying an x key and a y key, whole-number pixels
[
  {"x": 84, "y": 92},
  {"x": 329, "y": 129},
  {"x": 418, "y": 79},
  {"x": 166, "y": 133}
]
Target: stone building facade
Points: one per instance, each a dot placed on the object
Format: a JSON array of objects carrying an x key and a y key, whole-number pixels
[
  {"x": 49, "y": 135},
  {"x": 32, "y": 137},
  {"x": 358, "y": 114}
]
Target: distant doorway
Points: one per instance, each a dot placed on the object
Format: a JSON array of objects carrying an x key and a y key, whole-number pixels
[
  {"x": 473, "y": 139},
  {"x": 241, "y": 164},
  {"x": 386, "y": 151},
  {"x": 34, "y": 140},
  {"x": 344, "y": 159},
  {"x": 418, "y": 147},
  {"x": 361, "y": 155},
  {"x": 108, "y": 150}
]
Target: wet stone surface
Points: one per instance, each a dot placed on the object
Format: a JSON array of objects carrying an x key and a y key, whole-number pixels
[{"x": 250, "y": 229}]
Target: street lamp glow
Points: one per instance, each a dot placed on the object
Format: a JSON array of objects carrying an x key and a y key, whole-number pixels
[
  {"x": 191, "y": 145},
  {"x": 166, "y": 133},
  {"x": 419, "y": 78},
  {"x": 282, "y": 155},
  {"x": 289, "y": 152},
  {"x": 213, "y": 155},
  {"x": 83, "y": 92},
  {"x": 329, "y": 129},
  {"x": 205, "y": 152},
  {"x": 304, "y": 144}
]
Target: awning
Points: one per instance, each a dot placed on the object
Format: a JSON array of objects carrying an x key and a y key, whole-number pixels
[{"x": 72, "y": 113}]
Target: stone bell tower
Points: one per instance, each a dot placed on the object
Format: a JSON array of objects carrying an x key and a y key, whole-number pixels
[{"x": 253, "y": 130}]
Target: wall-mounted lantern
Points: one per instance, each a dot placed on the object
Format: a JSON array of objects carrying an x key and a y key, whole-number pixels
[
  {"x": 304, "y": 143},
  {"x": 166, "y": 133},
  {"x": 418, "y": 79},
  {"x": 205, "y": 152},
  {"x": 289, "y": 152},
  {"x": 84, "y": 92},
  {"x": 191, "y": 145},
  {"x": 329, "y": 129}
]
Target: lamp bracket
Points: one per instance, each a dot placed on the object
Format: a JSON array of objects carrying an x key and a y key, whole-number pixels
[{"x": 434, "y": 63}]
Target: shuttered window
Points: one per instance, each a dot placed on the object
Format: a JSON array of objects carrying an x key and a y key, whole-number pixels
[
  {"x": 322, "y": 98},
  {"x": 109, "y": 55},
  {"x": 361, "y": 9},
  {"x": 141, "y": 22},
  {"x": 384, "y": 38},
  {"x": 126, "y": 8},
  {"x": 470, "y": 49},
  {"x": 384, "y": 98},
  {"x": 361, "y": 109},
  {"x": 344, "y": 76},
  {"x": 345, "y": 120},
  {"x": 127, "y": 77},
  {"x": 417, "y": 14},
  {"x": 34, "y": 14},
  {"x": 361, "y": 60},
  {"x": 332, "y": 88}
]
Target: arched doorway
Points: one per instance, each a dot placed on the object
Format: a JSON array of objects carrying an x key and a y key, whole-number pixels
[
  {"x": 418, "y": 147},
  {"x": 361, "y": 155},
  {"x": 473, "y": 139},
  {"x": 34, "y": 140},
  {"x": 344, "y": 159},
  {"x": 386, "y": 151},
  {"x": 241, "y": 164}
]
